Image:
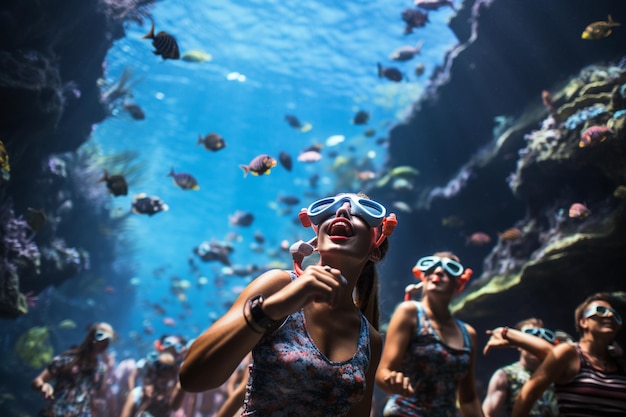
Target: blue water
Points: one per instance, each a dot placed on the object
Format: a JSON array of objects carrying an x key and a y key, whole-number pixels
[{"x": 315, "y": 60}]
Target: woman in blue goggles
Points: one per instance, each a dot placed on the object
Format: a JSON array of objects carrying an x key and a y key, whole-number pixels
[{"x": 429, "y": 358}]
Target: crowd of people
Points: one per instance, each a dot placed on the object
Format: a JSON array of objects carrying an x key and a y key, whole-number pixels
[{"x": 306, "y": 342}]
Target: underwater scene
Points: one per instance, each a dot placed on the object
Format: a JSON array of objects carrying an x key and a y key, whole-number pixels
[{"x": 155, "y": 157}]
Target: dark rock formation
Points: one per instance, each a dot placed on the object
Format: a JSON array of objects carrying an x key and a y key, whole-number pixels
[
  {"x": 50, "y": 60},
  {"x": 510, "y": 52}
]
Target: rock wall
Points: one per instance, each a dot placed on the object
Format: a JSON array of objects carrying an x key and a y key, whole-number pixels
[{"x": 491, "y": 160}]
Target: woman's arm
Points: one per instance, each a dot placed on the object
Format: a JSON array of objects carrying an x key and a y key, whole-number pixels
[
  {"x": 497, "y": 393},
  {"x": 215, "y": 354},
  {"x": 559, "y": 366},
  {"x": 469, "y": 402},
  {"x": 177, "y": 397},
  {"x": 401, "y": 327},
  {"x": 514, "y": 338},
  {"x": 364, "y": 408}
]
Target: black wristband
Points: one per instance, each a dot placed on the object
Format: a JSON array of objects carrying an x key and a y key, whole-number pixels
[{"x": 257, "y": 313}]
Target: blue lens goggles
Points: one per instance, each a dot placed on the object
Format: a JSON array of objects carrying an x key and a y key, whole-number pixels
[
  {"x": 427, "y": 264},
  {"x": 370, "y": 211},
  {"x": 167, "y": 343},
  {"x": 546, "y": 334},
  {"x": 101, "y": 335},
  {"x": 602, "y": 311}
]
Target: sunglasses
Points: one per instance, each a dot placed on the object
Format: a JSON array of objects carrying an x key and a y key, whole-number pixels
[
  {"x": 602, "y": 311},
  {"x": 370, "y": 211},
  {"x": 427, "y": 264},
  {"x": 546, "y": 334},
  {"x": 167, "y": 343},
  {"x": 101, "y": 335}
]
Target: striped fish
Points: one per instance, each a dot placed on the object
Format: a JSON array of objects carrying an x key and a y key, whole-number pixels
[{"x": 165, "y": 44}]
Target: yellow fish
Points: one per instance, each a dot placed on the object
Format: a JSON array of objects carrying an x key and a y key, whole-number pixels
[
  {"x": 5, "y": 168},
  {"x": 599, "y": 29}
]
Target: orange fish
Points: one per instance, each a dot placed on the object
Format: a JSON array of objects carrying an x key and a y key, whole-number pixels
[
  {"x": 546, "y": 98},
  {"x": 594, "y": 135},
  {"x": 511, "y": 234},
  {"x": 478, "y": 239},
  {"x": 578, "y": 211}
]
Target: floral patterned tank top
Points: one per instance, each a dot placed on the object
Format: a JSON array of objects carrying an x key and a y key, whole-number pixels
[
  {"x": 434, "y": 370},
  {"x": 290, "y": 377}
]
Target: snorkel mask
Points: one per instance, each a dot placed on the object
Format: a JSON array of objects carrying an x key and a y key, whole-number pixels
[
  {"x": 454, "y": 269},
  {"x": 372, "y": 212}
]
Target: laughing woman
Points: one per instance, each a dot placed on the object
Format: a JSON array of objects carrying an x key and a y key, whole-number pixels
[
  {"x": 588, "y": 379},
  {"x": 314, "y": 345},
  {"x": 429, "y": 357}
]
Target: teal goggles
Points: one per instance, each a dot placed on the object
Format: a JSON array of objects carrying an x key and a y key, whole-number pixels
[
  {"x": 168, "y": 343},
  {"x": 100, "y": 335},
  {"x": 546, "y": 334},
  {"x": 370, "y": 211},
  {"x": 602, "y": 311},
  {"x": 427, "y": 264}
]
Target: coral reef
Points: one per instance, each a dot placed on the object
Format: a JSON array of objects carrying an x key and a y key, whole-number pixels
[
  {"x": 19, "y": 256},
  {"x": 51, "y": 59},
  {"x": 526, "y": 174}
]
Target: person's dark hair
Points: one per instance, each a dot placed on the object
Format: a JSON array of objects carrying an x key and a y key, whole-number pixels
[
  {"x": 533, "y": 321},
  {"x": 600, "y": 296},
  {"x": 83, "y": 351},
  {"x": 367, "y": 288}
]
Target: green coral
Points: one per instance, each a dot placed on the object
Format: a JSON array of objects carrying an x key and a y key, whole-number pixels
[{"x": 33, "y": 347}]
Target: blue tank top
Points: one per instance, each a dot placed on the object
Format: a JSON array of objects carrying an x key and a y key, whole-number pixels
[
  {"x": 434, "y": 370},
  {"x": 290, "y": 377}
]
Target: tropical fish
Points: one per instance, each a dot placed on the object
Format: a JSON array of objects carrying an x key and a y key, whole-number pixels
[
  {"x": 310, "y": 155},
  {"x": 478, "y": 239},
  {"x": 390, "y": 73},
  {"x": 369, "y": 133},
  {"x": 214, "y": 251},
  {"x": 260, "y": 165},
  {"x": 513, "y": 233},
  {"x": 289, "y": 200},
  {"x": 67, "y": 324},
  {"x": 419, "y": 69},
  {"x": 212, "y": 142},
  {"x": 600, "y": 29},
  {"x": 406, "y": 53},
  {"x": 452, "y": 221},
  {"x": 134, "y": 110},
  {"x": 334, "y": 140},
  {"x": 285, "y": 160},
  {"x": 433, "y": 4},
  {"x": 414, "y": 19},
  {"x": 165, "y": 44},
  {"x": 144, "y": 204},
  {"x": 361, "y": 118},
  {"x": 594, "y": 135},
  {"x": 35, "y": 219},
  {"x": 184, "y": 180},
  {"x": 116, "y": 184},
  {"x": 620, "y": 191},
  {"x": 241, "y": 218},
  {"x": 546, "y": 98},
  {"x": 5, "y": 168},
  {"x": 196, "y": 55},
  {"x": 295, "y": 123},
  {"x": 399, "y": 171},
  {"x": 578, "y": 211}
]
